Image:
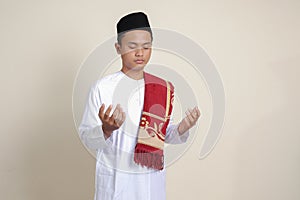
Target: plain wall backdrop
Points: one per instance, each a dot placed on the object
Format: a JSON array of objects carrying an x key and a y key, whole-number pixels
[{"x": 254, "y": 44}]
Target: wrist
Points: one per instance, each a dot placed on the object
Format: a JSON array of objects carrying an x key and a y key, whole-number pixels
[
  {"x": 180, "y": 129},
  {"x": 106, "y": 133}
]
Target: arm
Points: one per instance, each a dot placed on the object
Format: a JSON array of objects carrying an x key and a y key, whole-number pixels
[
  {"x": 90, "y": 129},
  {"x": 172, "y": 134},
  {"x": 179, "y": 133}
]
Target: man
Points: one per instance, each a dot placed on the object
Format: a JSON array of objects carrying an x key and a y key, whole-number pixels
[{"x": 128, "y": 118}]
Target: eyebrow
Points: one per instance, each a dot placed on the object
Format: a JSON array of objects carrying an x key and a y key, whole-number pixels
[{"x": 137, "y": 43}]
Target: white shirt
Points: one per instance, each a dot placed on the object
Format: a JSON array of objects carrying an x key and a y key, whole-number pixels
[{"x": 118, "y": 177}]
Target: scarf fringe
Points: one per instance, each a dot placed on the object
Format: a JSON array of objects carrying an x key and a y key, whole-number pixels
[{"x": 149, "y": 156}]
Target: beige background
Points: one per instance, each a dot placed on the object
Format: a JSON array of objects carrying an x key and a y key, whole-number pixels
[{"x": 255, "y": 45}]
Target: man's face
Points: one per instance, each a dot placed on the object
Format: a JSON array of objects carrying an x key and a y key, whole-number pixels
[{"x": 135, "y": 49}]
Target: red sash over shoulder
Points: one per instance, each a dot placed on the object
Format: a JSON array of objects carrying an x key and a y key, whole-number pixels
[{"x": 158, "y": 105}]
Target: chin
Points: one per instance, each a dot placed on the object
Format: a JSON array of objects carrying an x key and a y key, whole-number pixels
[{"x": 139, "y": 67}]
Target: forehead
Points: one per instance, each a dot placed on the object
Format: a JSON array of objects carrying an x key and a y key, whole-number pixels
[{"x": 137, "y": 36}]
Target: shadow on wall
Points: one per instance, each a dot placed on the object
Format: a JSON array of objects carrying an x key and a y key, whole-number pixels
[
  {"x": 53, "y": 163},
  {"x": 268, "y": 153}
]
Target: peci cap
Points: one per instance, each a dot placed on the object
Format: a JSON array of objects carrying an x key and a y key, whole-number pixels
[{"x": 137, "y": 20}]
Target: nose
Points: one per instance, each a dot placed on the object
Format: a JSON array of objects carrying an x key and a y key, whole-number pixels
[{"x": 139, "y": 52}]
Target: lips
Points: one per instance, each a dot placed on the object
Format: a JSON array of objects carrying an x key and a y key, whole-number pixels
[{"x": 139, "y": 61}]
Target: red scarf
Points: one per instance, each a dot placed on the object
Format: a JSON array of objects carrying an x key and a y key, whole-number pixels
[{"x": 158, "y": 100}]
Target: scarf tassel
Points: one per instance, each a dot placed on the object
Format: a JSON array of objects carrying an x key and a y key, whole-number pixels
[{"x": 149, "y": 156}]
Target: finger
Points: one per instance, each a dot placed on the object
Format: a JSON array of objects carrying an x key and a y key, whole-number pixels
[
  {"x": 120, "y": 115},
  {"x": 190, "y": 112},
  {"x": 107, "y": 113},
  {"x": 190, "y": 119},
  {"x": 120, "y": 109},
  {"x": 197, "y": 111},
  {"x": 187, "y": 121},
  {"x": 189, "y": 116},
  {"x": 123, "y": 118},
  {"x": 119, "y": 121},
  {"x": 101, "y": 111},
  {"x": 116, "y": 112}
]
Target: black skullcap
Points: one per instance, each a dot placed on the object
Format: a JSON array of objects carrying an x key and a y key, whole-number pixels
[{"x": 137, "y": 20}]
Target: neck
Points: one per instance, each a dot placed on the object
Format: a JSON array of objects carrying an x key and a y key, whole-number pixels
[{"x": 134, "y": 74}]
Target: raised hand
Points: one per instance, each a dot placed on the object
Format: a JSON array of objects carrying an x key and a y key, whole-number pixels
[
  {"x": 192, "y": 115},
  {"x": 113, "y": 122}
]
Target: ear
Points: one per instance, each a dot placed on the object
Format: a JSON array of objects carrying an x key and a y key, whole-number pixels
[{"x": 118, "y": 47}]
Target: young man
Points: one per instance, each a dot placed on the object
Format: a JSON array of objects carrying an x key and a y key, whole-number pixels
[{"x": 128, "y": 118}]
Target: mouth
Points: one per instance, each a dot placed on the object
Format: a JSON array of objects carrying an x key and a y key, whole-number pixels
[{"x": 139, "y": 61}]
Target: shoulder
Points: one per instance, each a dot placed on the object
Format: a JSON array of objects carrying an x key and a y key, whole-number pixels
[
  {"x": 158, "y": 80},
  {"x": 107, "y": 81}
]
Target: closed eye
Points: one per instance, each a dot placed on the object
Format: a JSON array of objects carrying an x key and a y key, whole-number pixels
[{"x": 132, "y": 47}]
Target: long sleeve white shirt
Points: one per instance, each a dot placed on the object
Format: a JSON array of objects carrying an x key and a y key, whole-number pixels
[{"x": 118, "y": 177}]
